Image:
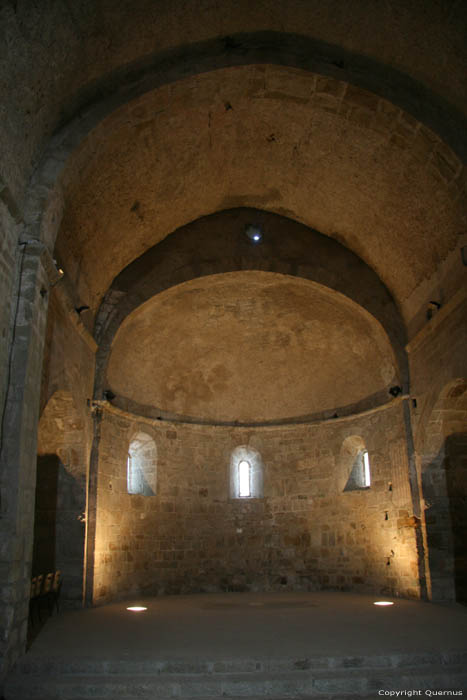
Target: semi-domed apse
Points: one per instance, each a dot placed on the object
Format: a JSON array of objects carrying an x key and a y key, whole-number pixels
[{"x": 249, "y": 347}]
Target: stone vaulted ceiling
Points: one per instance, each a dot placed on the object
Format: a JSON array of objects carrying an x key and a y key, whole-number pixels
[
  {"x": 339, "y": 160},
  {"x": 60, "y": 56}
]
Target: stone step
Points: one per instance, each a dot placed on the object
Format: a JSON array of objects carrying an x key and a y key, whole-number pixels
[
  {"x": 31, "y": 663},
  {"x": 324, "y": 683}
]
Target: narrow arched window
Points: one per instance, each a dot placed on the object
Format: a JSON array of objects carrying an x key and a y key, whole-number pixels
[
  {"x": 244, "y": 479},
  {"x": 246, "y": 473},
  {"x": 142, "y": 465}
]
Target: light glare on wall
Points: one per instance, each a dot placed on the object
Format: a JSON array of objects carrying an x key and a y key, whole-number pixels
[
  {"x": 137, "y": 608},
  {"x": 383, "y": 603}
]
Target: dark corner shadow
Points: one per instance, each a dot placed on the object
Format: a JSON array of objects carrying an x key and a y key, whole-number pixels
[{"x": 445, "y": 492}]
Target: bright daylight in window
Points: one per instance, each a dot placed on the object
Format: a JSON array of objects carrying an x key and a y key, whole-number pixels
[
  {"x": 366, "y": 469},
  {"x": 244, "y": 470}
]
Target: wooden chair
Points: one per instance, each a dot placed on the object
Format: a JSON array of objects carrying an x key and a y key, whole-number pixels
[
  {"x": 46, "y": 594},
  {"x": 45, "y": 589},
  {"x": 35, "y": 597},
  {"x": 55, "y": 589}
]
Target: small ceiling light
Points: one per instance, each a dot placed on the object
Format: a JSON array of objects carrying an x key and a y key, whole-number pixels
[
  {"x": 57, "y": 275},
  {"x": 60, "y": 270},
  {"x": 254, "y": 233},
  {"x": 383, "y": 603},
  {"x": 137, "y": 608}
]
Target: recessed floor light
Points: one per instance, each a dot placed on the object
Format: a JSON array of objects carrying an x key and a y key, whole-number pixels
[
  {"x": 137, "y": 608},
  {"x": 383, "y": 603}
]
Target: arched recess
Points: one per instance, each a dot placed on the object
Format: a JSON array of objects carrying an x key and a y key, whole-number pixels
[
  {"x": 61, "y": 496},
  {"x": 45, "y": 205},
  {"x": 197, "y": 250},
  {"x": 444, "y": 488},
  {"x": 46, "y": 220}
]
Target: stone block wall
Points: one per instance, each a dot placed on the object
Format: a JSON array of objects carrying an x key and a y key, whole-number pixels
[
  {"x": 65, "y": 433},
  {"x": 8, "y": 266},
  {"x": 304, "y": 534},
  {"x": 60, "y": 512},
  {"x": 18, "y": 444},
  {"x": 68, "y": 354},
  {"x": 437, "y": 356},
  {"x": 438, "y": 363}
]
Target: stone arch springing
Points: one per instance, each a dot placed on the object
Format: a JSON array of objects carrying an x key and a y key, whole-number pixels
[
  {"x": 142, "y": 465},
  {"x": 246, "y": 473}
]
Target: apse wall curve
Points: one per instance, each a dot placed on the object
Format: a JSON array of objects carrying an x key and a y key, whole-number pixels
[{"x": 255, "y": 509}]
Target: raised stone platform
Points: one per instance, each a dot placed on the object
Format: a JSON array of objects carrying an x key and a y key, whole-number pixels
[{"x": 324, "y": 645}]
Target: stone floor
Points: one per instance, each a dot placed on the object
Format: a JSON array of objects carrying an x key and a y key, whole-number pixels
[
  {"x": 255, "y": 624},
  {"x": 246, "y": 633}
]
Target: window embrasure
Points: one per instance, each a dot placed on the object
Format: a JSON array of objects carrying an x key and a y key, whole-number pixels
[
  {"x": 246, "y": 473},
  {"x": 142, "y": 465},
  {"x": 360, "y": 475}
]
